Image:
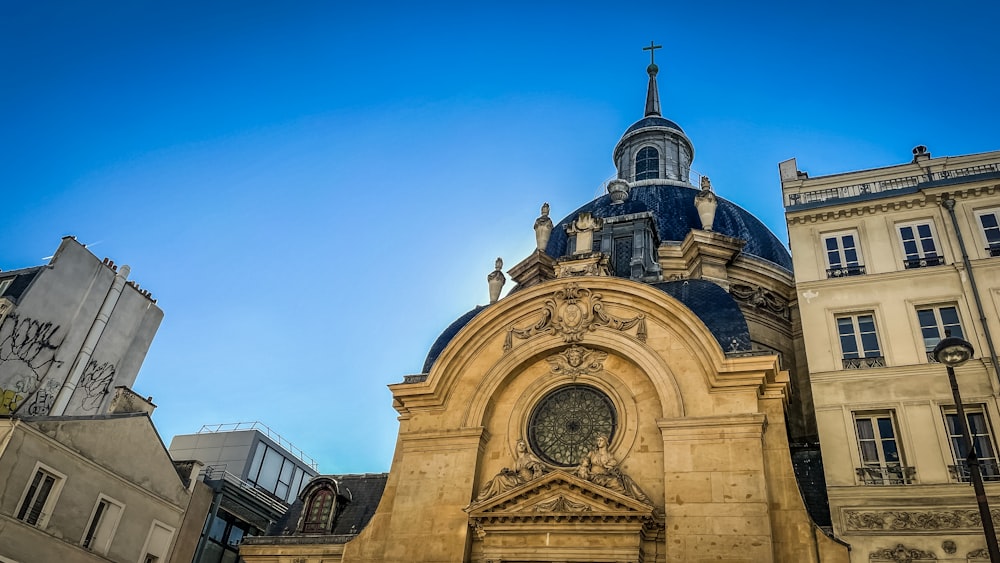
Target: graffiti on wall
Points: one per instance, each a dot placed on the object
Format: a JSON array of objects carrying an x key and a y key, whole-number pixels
[
  {"x": 95, "y": 384},
  {"x": 27, "y": 351}
]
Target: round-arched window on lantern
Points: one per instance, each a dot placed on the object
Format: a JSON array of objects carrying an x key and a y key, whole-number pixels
[{"x": 647, "y": 164}]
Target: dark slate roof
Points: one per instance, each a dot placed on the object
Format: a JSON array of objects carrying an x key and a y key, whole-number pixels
[
  {"x": 808, "y": 465},
  {"x": 21, "y": 279},
  {"x": 716, "y": 308},
  {"x": 652, "y": 121},
  {"x": 446, "y": 337},
  {"x": 673, "y": 207},
  {"x": 361, "y": 492},
  {"x": 365, "y": 491}
]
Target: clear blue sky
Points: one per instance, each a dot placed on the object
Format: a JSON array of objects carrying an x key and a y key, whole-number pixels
[{"x": 314, "y": 190}]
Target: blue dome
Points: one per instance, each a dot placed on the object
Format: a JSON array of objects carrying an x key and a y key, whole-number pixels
[
  {"x": 652, "y": 121},
  {"x": 675, "y": 214},
  {"x": 712, "y": 304}
]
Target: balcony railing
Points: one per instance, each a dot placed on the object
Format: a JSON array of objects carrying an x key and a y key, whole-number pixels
[
  {"x": 844, "y": 271},
  {"x": 923, "y": 262},
  {"x": 987, "y": 467},
  {"x": 892, "y": 184},
  {"x": 993, "y": 249},
  {"x": 884, "y": 475},
  {"x": 864, "y": 363}
]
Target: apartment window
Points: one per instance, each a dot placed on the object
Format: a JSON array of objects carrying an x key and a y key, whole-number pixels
[
  {"x": 935, "y": 324},
  {"x": 647, "y": 164},
  {"x": 990, "y": 222},
  {"x": 40, "y": 496},
  {"x": 843, "y": 258},
  {"x": 102, "y": 526},
  {"x": 881, "y": 462},
  {"x": 859, "y": 341},
  {"x": 982, "y": 442},
  {"x": 919, "y": 246},
  {"x": 224, "y": 537}
]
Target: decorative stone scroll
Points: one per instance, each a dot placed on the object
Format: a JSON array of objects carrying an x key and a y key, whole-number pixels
[
  {"x": 915, "y": 520},
  {"x": 572, "y": 312},
  {"x": 760, "y": 298},
  {"x": 981, "y": 553},
  {"x": 901, "y": 554},
  {"x": 577, "y": 360},
  {"x": 526, "y": 467}
]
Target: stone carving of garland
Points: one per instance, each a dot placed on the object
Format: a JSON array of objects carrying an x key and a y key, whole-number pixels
[{"x": 900, "y": 554}]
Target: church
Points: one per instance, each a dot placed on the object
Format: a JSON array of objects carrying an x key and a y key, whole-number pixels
[{"x": 633, "y": 398}]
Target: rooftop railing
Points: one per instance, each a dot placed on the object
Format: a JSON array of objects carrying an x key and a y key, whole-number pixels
[
  {"x": 265, "y": 430},
  {"x": 218, "y": 473},
  {"x": 889, "y": 185}
]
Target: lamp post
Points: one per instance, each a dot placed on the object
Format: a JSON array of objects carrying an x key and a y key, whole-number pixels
[{"x": 953, "y": 352}]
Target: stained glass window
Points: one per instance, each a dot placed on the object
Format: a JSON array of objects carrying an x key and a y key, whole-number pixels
[{"x": 566, "y": 423}]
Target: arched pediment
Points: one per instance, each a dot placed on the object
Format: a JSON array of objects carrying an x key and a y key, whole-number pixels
[{"x": 635, "y": 321}]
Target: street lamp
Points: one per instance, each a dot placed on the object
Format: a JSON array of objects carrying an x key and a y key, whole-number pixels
[{"x": 953, "y": 352}]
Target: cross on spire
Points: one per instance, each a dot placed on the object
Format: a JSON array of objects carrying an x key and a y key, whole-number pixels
[{"x": 652, "y": 51}]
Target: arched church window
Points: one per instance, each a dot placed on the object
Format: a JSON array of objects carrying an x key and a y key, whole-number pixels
[
  {"x": 318, "y": 512},
  {"x": 647, "y": 164},
  {"x": 566, "y": 424}
]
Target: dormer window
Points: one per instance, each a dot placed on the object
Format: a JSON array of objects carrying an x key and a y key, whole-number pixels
[
  {"x": 319, "y": 506},
  {"x": 647, "y": 164}
]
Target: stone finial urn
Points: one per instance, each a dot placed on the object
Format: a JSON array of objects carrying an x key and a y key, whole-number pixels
[
  {"x": 496, "y": 279},
  {"x": 706, "y": 203},
  {"x": 618, "y": 191},
  {"x": 543, "y": 228}
]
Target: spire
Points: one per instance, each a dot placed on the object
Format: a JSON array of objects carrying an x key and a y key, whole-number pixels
[{"x": 652, "y": 95}]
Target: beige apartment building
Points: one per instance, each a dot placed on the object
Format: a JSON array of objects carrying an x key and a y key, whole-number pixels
[{"x": 887, "y": 261}]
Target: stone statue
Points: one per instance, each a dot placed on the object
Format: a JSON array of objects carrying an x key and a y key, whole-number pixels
[
  {"x": 543, "y": 228},
  {"x": 601, "y": 468},
  {"x": 526, "y": 467},
  {"x": 496, "y": 279},
  {"x": 706, "y": 203}
]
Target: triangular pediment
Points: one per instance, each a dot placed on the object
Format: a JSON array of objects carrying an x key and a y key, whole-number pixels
[{"x": 562, "y": 495}]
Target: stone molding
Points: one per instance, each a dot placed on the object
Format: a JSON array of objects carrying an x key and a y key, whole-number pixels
[
  {"x": 901, "y": 554},
  {"x": 914, "y": 520}
]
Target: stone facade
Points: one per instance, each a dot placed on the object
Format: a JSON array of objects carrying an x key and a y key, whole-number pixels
[
  {"x": 625, "y": 402},
  {"x": 880, "y": 275}
]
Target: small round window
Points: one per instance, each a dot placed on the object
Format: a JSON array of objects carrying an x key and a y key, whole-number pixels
[{"x": 566, "y": 423}]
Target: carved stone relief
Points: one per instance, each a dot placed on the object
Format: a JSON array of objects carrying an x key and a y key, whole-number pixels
[
  {"x": 526, "y": 467},
  {"x": 572, "y": 312},
  {"x": 901, "y": 554},
  {"x": 561, "y": 504},
  {"x": 760, "y": 298},
  {"x": 577, "y": 360},
  {"x": 601, "y": 468},
  {"x": 916, "y": 520}
]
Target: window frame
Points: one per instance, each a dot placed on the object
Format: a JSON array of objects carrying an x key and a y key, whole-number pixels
[
  {"x": 922, "y": 258},
  {"x": 655, "y": 170},
  {"x": 988, "y": 465},
  {"x": 940, "y": 327},
  {"x": 882, "y": 471},
  {"x": 51, "y": 496},
  {"x": 103, "y": 525},
  {"x": 861, "y": 358},
  {"x": 992, "y": 248},
  {"x": 844, "y": 267},
  {"x": 4, "y": 284}
]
